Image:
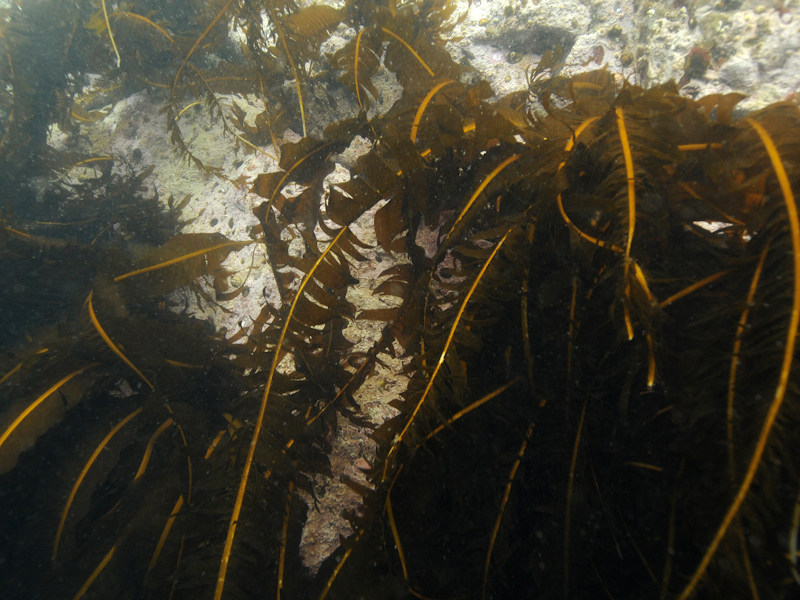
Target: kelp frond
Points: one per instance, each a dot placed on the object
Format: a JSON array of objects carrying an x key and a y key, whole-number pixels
[
  {"x": 785, "y": 368},
  {"x": 442, "y": 356},
  {"x": 110, "y": 34},
  {"x": 248, "y": 462},
  {"x": 494, "y": 327},
  {"x": 114, "y": 348}
]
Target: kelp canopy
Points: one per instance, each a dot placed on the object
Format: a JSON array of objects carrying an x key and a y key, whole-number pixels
[{"x": 599, "y": 298}]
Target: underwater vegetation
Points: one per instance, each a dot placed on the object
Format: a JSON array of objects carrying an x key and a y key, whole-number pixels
[{"x": 598, "y": 299}]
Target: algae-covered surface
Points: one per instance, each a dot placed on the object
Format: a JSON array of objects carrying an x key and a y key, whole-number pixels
[{"x": 262, "y": 257}]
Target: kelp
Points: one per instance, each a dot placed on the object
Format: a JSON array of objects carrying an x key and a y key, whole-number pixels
[{"x": 595, "y": 290}]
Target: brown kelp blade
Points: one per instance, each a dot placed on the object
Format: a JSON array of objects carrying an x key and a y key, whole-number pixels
[
  {"x": 248, "y": 463},
  {"x": 202, "y": 253},
  {"x": 109, "y": 342},
  {"x": 13, "y": 439},
  {"x": 82, "y": 476}
]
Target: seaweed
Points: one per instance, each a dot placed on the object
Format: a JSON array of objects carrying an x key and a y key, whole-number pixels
[{"x": 595, "y": 290}]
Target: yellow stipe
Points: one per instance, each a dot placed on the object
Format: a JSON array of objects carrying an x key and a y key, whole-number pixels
[
  {"x": 177, "y": 363},
  {"x": 163, "y": 86},
  {"x": 651, "y": 361},
  {"x": 586, "y": 236},
  {"x": 95, "y": 574},
  {"x": 82, "y": 163},
  {"x": 235, "y": 423},
  {"x": 355, "y": 68},
  {"x": 156, "y": 26},
  {"x": 660, "y": 412},
  {"x": 248, "y": 463},
  {"x": 338, "y": 568},
  {"x": 111, "y": 344},
  {"x": 568, "y": 510},
  {"x": 266, "y": 112},
  {"x": 670, "y": 549},
  {"x": 585, "y": 85},
  {"x": 82, "y": 476},
  {"x": 578, "y": 130},
  {"x": 78, "y": 117},
  {"x": 737, "y": 347},
  {"x": 188, "y": 461},
  {"x": 185, "y": 108},
  {"x": 399, "y": 439},
  {"x": 17, "y": 232},
  {"x": 641, "y": 465},
  {"x": 91, "y": 160},
  {"x": 693, "y": 287},
  {"x": 33, "y": 405},
  {"x": 423, "y": 105},
  {"x": 568, "y": 148},
  {"x": 284, "y": 536},
  {"x": 233, "y": 426},
  {"x": 289, "y": 172},
  {"x": 177, "y": 564},
  {"x": 410, "y": 49},
  {"x": 179, "y": 259},
  {"x": 748, "y": 567},
  {"x": 465, "y": 411},
  {"x": 110, "y": 34},
  {"x": 148, "y": 451},
  {"x": 700, "y": 146},
  {"x": 65, "y": 223},
  {"x": 342, "y": 391},
  {"x": 214, "y": 443},
  {"x": 95, "y": 93},
  {"x": 503, "y": 504},
  {"x": 279, "y": 29},
  {"x": 469, "y": 125},
  {"x": 8, "y": 375},
  {"x": 642, "y": 281},
  {"x": 786, "y": 365},
  {"x": 396, "y": 535},
  {"x": 688, "y": 189},
  {"x": 571, "y": 336},
  {"x": 495, "y": 172},
  {"x": 165, "y": 532},
  {"x": 626, "y": 311},
  {"x": 572, "y": 305},
  {"x": 629, "y": 175},
  {"x": 197, "y": 44},
  {"x": 252, "y": 146}
]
